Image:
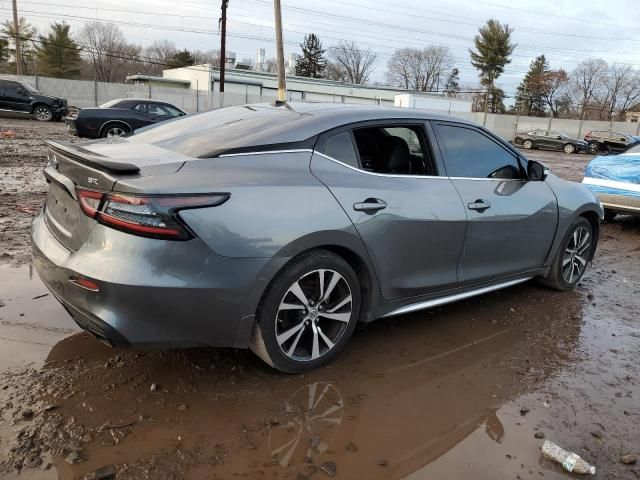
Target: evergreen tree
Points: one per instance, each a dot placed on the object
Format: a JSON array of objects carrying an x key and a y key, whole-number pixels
[
  {"x": 182, "y": 58},
  {"x": 452, "y": 87},
  {"x": 531, "y": 93},
  {"x": 58, "y": 54},
  {"x": 312, "y": 62},
  {"x": 27, "y": 33},
  {"x": 4, "y": 52},
  {"x": 493, "y": 49}
]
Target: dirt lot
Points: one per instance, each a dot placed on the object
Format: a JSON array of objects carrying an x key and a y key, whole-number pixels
[{"x": 469, "y": 390}]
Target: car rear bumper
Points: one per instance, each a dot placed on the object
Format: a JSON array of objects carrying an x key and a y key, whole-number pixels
[
  {"x": 81, "y": 129},
  {"x": 152, "y": 293}
]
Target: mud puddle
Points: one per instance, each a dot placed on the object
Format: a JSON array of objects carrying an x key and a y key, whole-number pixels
[
  {"x": 437, "y": 394},
  {"x": 31, "y": 320}
]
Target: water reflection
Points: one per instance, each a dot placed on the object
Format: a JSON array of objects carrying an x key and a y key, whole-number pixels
[{"x": 403, "y": 393}]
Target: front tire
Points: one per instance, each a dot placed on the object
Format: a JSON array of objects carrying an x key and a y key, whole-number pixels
[
  {"x": 308, "y": 313},
  {"x": 572, "y": 258},
  {"x": 42, "y": 113}
]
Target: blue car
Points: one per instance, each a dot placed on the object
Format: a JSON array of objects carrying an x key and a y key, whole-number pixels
[{"x": 616, "y": 182}]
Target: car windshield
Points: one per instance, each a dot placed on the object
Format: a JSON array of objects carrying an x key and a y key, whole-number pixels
[{"x": 29, "y": 87}]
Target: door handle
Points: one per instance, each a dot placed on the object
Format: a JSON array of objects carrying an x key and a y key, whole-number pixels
[
  {"x": 479, "y": 205},
  {"x": 370, "y": 205}
]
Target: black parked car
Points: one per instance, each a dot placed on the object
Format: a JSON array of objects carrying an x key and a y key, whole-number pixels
[
  {"x": 550, "y": 140},
  {"x": 119, "y": 117},
  {"x": 604, "y": 141},
  {"x": 20, "y": 97}
]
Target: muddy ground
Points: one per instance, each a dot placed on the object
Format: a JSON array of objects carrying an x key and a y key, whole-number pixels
[{"x": 470, "y": 390}]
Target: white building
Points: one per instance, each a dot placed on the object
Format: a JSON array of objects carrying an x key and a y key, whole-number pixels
[{"x": 256, "y": 86}]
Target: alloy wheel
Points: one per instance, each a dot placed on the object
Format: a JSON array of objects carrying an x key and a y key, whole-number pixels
[
  {"x": 527, "y": 144},
  {"x": 574, "y": 260},
  {"x": 569, "y": 148},
  {"x": 114, "y": 132},
  {"x": 43, "y": 114},
  {"x": 313, "y": 315}
]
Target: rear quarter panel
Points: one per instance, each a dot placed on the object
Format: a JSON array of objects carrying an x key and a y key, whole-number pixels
[{"x": 276, "y": 210}]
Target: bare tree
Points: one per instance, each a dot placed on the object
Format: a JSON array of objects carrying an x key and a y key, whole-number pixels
[
  {"x": 157, "y": 55},
  {"x": 556, "y": 89},
  {"x": 423, "y": 70},
  {"x": 356, "y": 62},
  {"x": 211, "y": 57},
  {"x": 105, "y": 48},
  {"x": 335, "y": 71},
  {"x": 588, "y": 81},
  {"x": 629, "y": 94},
  {"x": 620, "y": 90}
]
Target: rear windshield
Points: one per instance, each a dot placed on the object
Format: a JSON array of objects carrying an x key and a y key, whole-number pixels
[{"x": 205, "y": 134}]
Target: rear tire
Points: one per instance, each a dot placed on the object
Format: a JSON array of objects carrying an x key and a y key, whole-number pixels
[
  {"x": 569, "y": 148},
  {"x": 528, "y": 144},
  {"x": 42, "y": 113},
  {"x": 114, "y": 130},
  {"x": 572, "y": 258},
  {"x": 294, "y": 335}
]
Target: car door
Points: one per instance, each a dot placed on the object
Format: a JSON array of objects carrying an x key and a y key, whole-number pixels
[
  {"x": 511, "y": 221},
  {"x": 555, "y": 140},
  {"x": 16, "y": 97},
  {"x": 412, "y": 225}
]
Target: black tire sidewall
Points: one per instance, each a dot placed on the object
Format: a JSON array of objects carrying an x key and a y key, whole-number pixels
[
  {"x": 268, "y": 308},
  {"x": 557, "y": 267}
]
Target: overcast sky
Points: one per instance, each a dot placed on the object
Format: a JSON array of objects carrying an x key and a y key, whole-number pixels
[{"x": 566, "y": 31}]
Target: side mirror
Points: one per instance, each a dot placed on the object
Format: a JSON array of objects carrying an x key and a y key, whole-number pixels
[{"x": 536, "y": 171}]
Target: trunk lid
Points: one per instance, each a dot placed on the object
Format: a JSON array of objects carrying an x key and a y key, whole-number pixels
[{"x": 95, "y": 166}]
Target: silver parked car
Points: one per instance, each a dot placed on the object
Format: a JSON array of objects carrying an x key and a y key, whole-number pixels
[{"x": 280, "y": 227}]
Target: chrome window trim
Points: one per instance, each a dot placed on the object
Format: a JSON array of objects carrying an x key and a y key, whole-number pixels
[
  {"x": 265, "y": 152},
  {"x": 391, "y": 175},
  {"x": 454, "y": 298}
]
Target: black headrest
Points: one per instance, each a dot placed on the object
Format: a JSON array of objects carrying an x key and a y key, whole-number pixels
[{"x": 393, "y": 156}]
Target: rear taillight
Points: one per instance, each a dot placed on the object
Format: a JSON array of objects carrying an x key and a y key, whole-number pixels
[{"x": 148, "y": 216}]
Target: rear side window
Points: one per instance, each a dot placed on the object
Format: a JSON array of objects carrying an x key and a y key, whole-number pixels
[
  {"x": 340, "y": 147},
  {"x": 471, "y": 154}
]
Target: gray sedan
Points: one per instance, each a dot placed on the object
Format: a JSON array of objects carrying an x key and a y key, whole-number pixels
[{"x": 280, "y": 227}]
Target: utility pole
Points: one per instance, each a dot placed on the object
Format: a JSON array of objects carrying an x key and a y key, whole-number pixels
[
  {"x": 16, "y": 31},
  {"x": 223, "y": 42},
  {"x": 282, "y": 82}
]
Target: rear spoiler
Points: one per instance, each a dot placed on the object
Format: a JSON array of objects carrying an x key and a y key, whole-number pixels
[{"x": 96, "y": 161}]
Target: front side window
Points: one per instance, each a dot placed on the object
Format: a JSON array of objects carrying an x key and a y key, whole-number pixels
[
  {"x": 11, "y": 88},
  {"x": 173, "y": 111},
  {"x": 340, "y": 147},
  {"x": 472, "y": 154}
]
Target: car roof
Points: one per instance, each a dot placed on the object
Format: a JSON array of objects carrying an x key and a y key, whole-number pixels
[{"x": 277, "y": 125}]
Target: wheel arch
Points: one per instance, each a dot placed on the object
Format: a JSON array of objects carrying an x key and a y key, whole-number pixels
[
  {"x": 594, "y": 220},
  {"x": 112, "y": 122},
  {"x": 37, "y": 104},
  {"x": 344, "y": 245}
]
